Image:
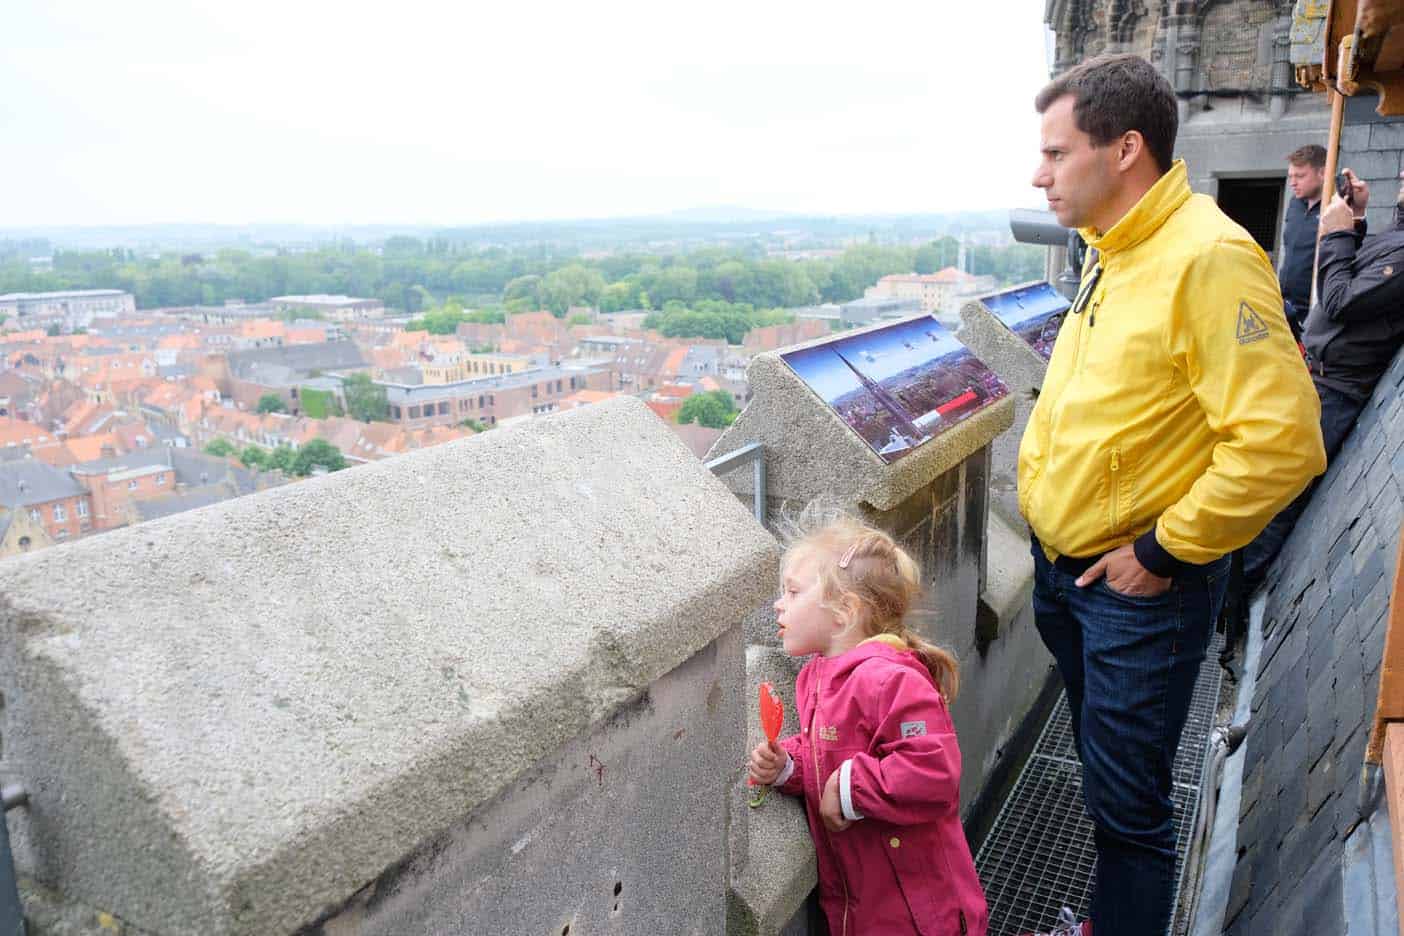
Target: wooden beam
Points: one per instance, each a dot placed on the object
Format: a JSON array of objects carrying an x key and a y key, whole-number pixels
[
  {"x": 1394, "y": 797},
  {"x": 1328, "y": 188},
  {"x": 1389, "y": 706}
]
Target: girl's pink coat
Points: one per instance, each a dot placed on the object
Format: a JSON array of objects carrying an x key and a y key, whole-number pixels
[{"x": 905, "y": 867}]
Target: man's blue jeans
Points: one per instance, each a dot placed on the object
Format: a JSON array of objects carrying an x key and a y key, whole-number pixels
[{"x": 1129, "y": 665}]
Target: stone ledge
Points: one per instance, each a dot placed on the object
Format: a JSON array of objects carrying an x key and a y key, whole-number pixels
[
  {"x": 780, "y": 870},
  {"x": 212, "y": 745},
  {"x": 1009, "y": 575}
]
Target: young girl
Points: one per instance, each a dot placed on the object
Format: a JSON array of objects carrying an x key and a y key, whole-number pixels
[{"x": 876, "y": 757}]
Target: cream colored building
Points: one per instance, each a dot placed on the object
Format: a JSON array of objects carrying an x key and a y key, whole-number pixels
[{"x": 935, "y": 291}]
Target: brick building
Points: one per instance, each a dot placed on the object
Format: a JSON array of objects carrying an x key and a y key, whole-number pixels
[
  {"x": 49, "y": 496},
  {"x": 491, "y": 400},
  {"x": 774, "y": 337},
  {"x": 114, "y": 484}
]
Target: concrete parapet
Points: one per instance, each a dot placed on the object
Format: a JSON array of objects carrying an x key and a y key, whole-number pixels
[
  {"x": 772, "y": 879},
  {"x": 237, "y": 719}
]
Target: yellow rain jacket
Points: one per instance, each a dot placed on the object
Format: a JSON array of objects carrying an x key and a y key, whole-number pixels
[{"x": 1176, "y": 412}]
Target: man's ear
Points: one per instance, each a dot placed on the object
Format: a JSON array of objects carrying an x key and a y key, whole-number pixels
[{"x": 1129, "y": 148}]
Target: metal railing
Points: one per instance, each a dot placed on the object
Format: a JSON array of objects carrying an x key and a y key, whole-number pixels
[
  {"x": 11, "y": 912},
  {"x": 755, "y": 455}
]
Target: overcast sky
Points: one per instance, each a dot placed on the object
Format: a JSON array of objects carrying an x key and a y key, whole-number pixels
[{"x": 421, "y": 111}]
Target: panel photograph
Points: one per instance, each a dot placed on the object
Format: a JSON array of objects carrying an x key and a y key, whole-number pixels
[
  {"x": 1034, "y": 313},
  {"x": 898, "y": 386}
]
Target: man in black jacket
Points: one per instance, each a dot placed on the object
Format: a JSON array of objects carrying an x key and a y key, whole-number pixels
[
  {"x": 1351, "y": 336},
  {"x": 1306, "y": 176}
]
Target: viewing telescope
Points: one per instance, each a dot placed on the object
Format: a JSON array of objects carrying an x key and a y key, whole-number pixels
[{"x": 1041, "y": 227}]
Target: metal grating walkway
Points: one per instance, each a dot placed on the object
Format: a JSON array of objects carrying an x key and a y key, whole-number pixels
[{"x": 1038, "y": 855}]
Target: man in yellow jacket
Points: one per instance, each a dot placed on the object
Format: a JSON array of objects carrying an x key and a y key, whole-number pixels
[{"x": 1176, "y": 419}]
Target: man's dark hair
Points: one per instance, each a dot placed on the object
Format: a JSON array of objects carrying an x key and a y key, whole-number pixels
[
  {"x": 1313, "y": 155},
  {"x": 1114, "y": 94}
]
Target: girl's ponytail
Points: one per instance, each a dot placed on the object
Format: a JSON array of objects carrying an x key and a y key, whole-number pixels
[{"x": 939, "y": 662}]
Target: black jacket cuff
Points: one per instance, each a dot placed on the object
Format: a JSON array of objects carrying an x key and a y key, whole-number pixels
[{"x": 1154, "y": 557}]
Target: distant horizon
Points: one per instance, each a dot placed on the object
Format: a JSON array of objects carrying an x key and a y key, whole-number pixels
[{"x": 681, "y": 216}]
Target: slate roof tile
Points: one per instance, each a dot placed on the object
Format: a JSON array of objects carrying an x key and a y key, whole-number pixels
[{"x": 1325, "y": 603}]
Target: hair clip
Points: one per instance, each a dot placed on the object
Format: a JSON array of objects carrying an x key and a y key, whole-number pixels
[{"x": 848, "y": 556}]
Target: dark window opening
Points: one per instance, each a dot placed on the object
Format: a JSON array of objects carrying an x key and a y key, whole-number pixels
[{"x": 1257, "y": 205}]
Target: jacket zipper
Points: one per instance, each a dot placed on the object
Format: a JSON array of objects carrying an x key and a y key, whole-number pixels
[
  {"x": 819, "y": 783},
  {"x": 1115, "y": 491}
]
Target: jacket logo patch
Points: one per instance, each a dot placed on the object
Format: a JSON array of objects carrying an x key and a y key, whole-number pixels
[
  {"x": 911, "y": 729},
  {"x": 828, "y": 732},
  {"x": 1251, "y": 326}
]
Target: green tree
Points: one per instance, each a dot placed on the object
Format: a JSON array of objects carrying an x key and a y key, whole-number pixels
[
  {"x": 365, "y": 400},
  {"x": 318, "y": 453},
  {"x": 476, "y": 425},
  {"x": 619, "y": 296},
  {"x": 220, "y": 448},
  {"x": 271, "y": 403},
  {"x": 493, "y": 315},
  {"x": 715, "y": 410},
  {"x": 319, "y": 404},
  {"x": 569, "y": 286},
  {"x": 283, "y": 458},
  {"x": 523, "y": 290},
  {"x": 253, "y": 457},
  {"x": 936, "y": 255}
]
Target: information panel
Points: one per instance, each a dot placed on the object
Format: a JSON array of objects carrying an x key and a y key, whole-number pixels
[
  {"x": 1034, "y": 313},
  {"x": 900, "y": 385}
]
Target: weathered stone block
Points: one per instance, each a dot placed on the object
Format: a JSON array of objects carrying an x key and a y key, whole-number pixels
[
  {"x": 775, "y": 874},
  {"x": 1355, "y": 138},
  {"x": 233, "y": 719},
  {"x": 623, "y": 831},
  {"x": 1386, "y": 136},
  {"x": 1374, "y": 164}
]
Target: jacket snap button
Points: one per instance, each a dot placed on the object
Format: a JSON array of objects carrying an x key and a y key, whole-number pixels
[{"x": 895, "y": 842}]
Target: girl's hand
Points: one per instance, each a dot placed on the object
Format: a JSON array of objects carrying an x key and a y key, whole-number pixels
[
  {"x": 767, "y": 760},
  {"x": 830, "y": 810}
]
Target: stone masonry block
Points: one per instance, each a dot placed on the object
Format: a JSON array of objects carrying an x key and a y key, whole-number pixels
[
  {"x": 1355, "y": 138},
  {"x": 1386, "y": 136},
  {"x": 232, "y": 719},
  {"x": 1374, "y": 165}
]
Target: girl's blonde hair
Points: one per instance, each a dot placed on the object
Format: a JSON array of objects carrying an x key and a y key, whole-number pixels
[{"x": 867, "y": 578}]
